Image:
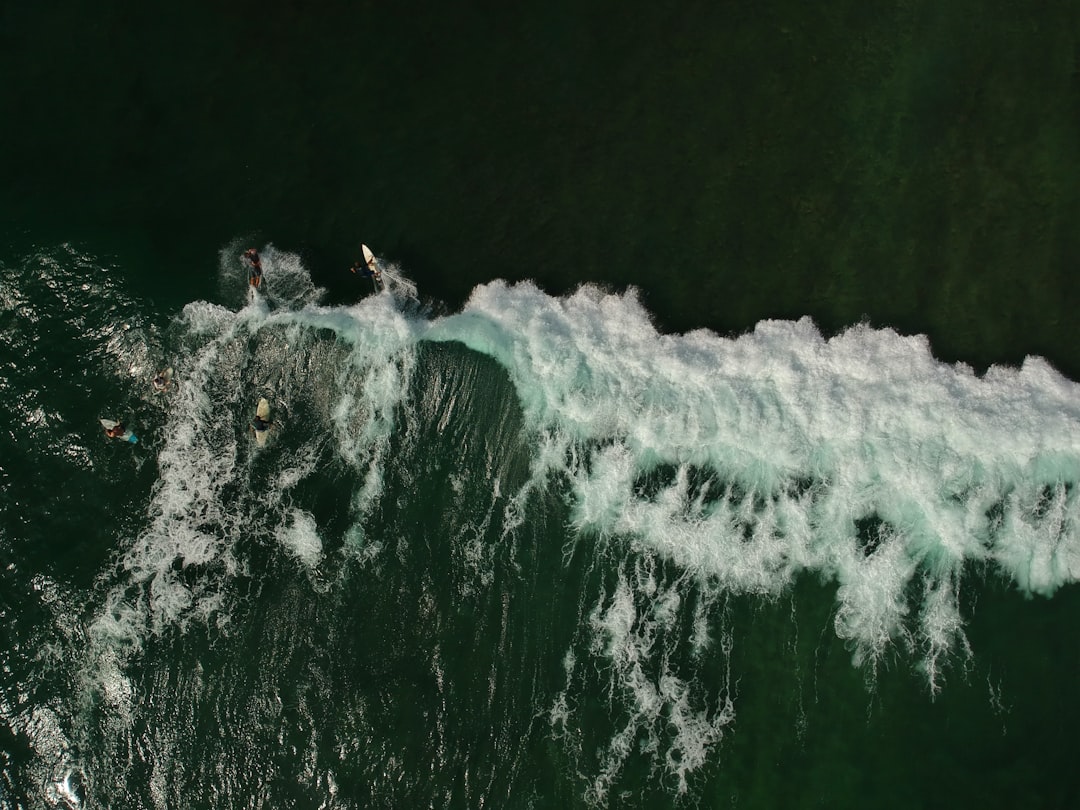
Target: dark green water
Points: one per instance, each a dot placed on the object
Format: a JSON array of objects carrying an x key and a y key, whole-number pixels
[
  {"x": 914, "y": 164},
  {"x": 526, "y": 552}
]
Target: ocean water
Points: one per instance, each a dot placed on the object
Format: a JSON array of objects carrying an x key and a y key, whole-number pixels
[
  {"x": 530, "y": 553},
  {"x": 715, "y": 443}
]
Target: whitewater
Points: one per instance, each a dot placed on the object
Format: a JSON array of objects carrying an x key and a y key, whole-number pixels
[{"x": 692, "y": 468}]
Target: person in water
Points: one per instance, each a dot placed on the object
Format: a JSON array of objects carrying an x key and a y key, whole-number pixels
[
  {"x": 116, "y": 431},
  {"x": 161, "y": 382},
  {"x": 254, "y": 267}
]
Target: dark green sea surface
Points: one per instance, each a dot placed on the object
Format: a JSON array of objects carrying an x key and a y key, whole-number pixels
[
  {"x": 424, "y": 593},
  {"x": 911, "y": 163}
]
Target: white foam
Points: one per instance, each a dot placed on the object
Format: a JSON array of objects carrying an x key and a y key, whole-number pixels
[
  {"x": 302, "y": 539},
  {"x": 635, "y": 629},
  {"x": 767, "y": 452},
  {"x": 745, "y": 462}
]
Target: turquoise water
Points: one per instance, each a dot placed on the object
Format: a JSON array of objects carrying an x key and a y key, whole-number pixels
[{"x": 715, "y": 442}]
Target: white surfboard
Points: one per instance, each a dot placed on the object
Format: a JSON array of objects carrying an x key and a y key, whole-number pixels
[
  {"x": 369, "y": 260},
  {"x": 127, "y": 435},
  {"x": 263, "y": 412}
]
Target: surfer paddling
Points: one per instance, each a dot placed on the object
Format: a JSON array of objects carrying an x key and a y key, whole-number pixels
[
  {"x": 261, "y": 424},
  {"x": 254, "y": 263},
  {"x": 162, "y": 381},
  {"x": 118, "y": 430}
]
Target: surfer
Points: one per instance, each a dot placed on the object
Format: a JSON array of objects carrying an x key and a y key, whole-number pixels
[
  {"x": 260, "y": 427},
  {"x": 367, "y": 271},
  {"x": 116, "y": 431},
  {"x": 261, "y": 424},
  {"x": 162, "y": 381},
  {"x": 251, "y": 256}
]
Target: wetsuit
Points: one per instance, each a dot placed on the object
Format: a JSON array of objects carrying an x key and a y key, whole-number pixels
[{"x": 255, "y": 268}]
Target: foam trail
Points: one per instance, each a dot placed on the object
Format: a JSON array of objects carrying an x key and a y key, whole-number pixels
[
  {"x": 286, "y": 281},
  {"x": 396, "y": 282},
  {"x": 632, "y": 628}
]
